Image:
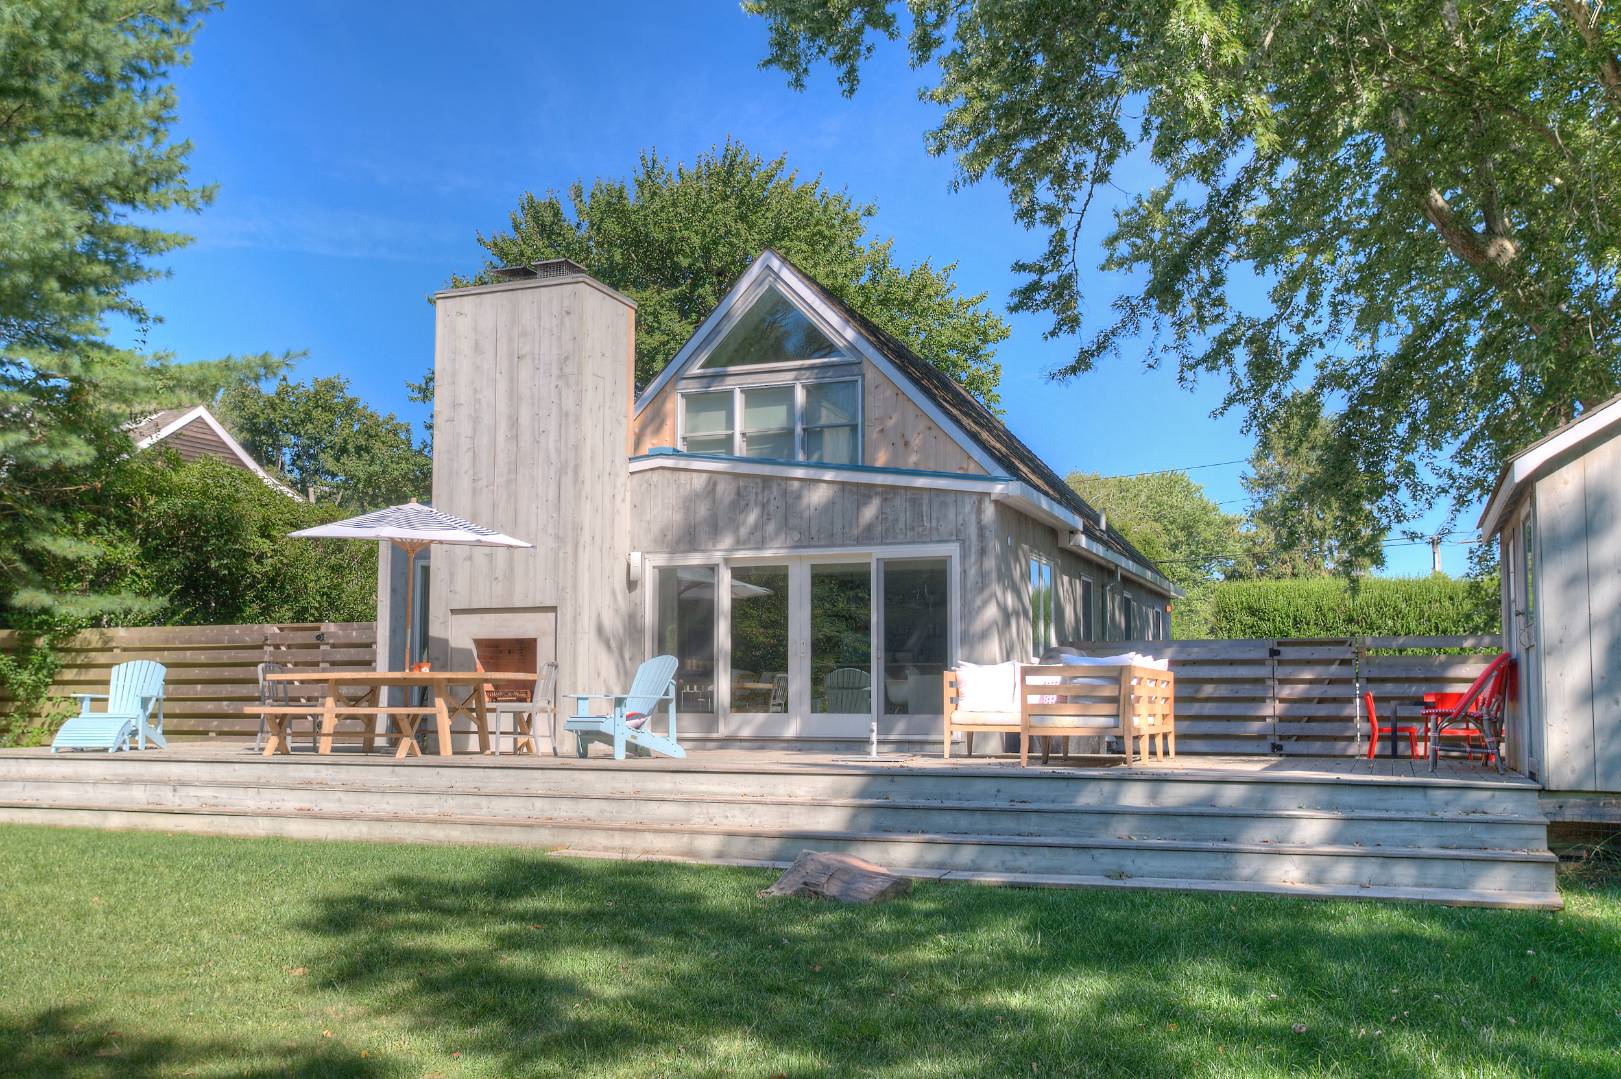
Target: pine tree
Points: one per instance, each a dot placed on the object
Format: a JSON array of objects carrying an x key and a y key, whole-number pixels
[{"x": 86, "y": 158}]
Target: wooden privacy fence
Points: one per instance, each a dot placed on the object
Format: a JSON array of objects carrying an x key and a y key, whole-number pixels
[
  {"x": 1300, "y": 697},
  {"x": 211, "y": 669}
]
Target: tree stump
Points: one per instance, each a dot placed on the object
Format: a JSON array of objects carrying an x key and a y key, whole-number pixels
[{"x": 843, "y": 877}]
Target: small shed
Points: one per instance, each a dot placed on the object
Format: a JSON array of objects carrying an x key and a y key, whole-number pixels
[{"x": 1556, "y": 511}]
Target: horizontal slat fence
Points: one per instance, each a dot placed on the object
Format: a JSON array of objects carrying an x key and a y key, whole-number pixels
[
  {"x": 1300, "y": 697},
  {"x": 211, "y": 669}
]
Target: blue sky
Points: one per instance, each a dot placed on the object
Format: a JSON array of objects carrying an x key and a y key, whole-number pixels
[{"x": 358, "y": 150}]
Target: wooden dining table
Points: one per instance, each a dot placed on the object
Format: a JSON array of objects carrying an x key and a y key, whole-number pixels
[{"x": 355, "y": 695}]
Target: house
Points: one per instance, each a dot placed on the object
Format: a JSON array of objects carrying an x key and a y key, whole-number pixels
[
  {"x": 813, "y": 519},
  {"x": 194, "y": 432},
  {"x": 1556, "y": 513}
]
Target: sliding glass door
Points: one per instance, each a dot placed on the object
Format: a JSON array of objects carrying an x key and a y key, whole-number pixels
[{"x": 810, "y": 646}]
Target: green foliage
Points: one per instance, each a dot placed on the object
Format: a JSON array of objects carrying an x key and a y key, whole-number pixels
[
  {"x": 1430, "y": 194},
  {"x": 1311, "y": 515},
  {"x": 674, "y": 240},
  {"x": 1333, "y": 607},
  {"x": 85, "y": 162},
  {"x": 202, "y": 543},
  {"x": 329, "y": 443},
  {"x": 210, "y": 541},
  {"x": 1166, "y": 516}
]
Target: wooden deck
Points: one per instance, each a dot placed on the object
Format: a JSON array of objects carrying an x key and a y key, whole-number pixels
[{"x": 1319, "y": 827}]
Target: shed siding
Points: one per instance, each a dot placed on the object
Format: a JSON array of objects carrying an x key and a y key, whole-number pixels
[
  {"x": 1602, "y": 470},
  {"x": 1578, "y": 517}
]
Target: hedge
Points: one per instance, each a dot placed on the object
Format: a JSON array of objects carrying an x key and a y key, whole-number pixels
[{"x": 1332, "y": 607}]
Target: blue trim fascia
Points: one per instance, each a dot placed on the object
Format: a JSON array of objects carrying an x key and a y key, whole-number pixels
[{"x": 660, "y": 452}]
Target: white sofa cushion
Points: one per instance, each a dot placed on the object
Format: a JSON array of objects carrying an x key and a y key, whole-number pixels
[{"x": 988, "y": 688}]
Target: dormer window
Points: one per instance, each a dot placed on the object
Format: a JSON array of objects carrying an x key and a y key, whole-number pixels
[{"x": 815, "y": 421}]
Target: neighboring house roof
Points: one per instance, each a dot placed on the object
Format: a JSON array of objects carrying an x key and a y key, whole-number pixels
[
  {"x": 987, "y": 438},
  {"x": 194, "y": 432},
  {"x": 1559, "y": 447}
]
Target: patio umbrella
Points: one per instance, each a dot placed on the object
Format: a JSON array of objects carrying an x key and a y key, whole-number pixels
[{"x": 411, "y": 527}]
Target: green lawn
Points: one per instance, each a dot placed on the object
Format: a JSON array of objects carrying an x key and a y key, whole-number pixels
[{"x": 139, "y": 955}]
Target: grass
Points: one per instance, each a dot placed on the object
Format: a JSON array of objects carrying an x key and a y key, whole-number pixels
[{"x": 144, "y": 955}]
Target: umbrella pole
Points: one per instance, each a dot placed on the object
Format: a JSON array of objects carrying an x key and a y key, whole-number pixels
[{"x": 410, "y": 550}]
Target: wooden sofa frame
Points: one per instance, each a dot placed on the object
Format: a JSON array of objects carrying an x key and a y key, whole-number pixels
[{"x": 1137, "y": 707}]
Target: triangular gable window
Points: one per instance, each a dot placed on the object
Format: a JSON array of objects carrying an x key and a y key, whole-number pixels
[{"x": 772, "y": 330}]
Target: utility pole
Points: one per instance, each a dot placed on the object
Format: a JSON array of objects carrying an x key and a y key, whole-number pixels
[{"x": 1435, "y": 553}]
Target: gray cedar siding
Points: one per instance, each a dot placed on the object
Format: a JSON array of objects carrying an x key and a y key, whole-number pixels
[
  {"x": 1578, "y": 524},
  {"x": 674, "y": 511},
  {"x": 530, "y": 435}
]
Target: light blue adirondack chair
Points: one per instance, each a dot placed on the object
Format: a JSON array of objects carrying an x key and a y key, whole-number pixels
[
  {"x": 134, "y": 710},
  {"x": 628, "y": 724}
]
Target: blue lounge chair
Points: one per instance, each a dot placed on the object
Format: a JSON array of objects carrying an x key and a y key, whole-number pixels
[
  {"x": 134, "y": 710},
  {"x": 632, "y": 714}
]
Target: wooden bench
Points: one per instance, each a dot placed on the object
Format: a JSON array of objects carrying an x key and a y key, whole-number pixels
[{"x": 279, "y": 716}]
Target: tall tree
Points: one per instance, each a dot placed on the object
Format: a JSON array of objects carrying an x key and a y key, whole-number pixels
[
  {"x": 1311, "y": 516},
  {"x": 1428, "y": 193},
  {"x": 329, "y": 443},
  {"x": 1168, "y": 517},
  {"x": 674, "y": 240},
  {"x": 85, "y": 158}
]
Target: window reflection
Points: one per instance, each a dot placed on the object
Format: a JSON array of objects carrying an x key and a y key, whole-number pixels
[
  {"x": 916, "y": 634},
  {"x": 685, "y": 629}
]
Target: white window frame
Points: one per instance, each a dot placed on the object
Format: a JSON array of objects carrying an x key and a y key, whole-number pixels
[
  {"x": 1049, "y": 577},
  {"x": 727, "y": 560},
  {"x": 1087, "y": 597},
  {"x": 799, "y": 384}
]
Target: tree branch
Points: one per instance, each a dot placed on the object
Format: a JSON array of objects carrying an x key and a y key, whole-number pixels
[{"x": 1584, "y": 20}]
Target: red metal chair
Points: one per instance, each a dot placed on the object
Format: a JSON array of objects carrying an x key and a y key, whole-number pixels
[
  {"x": 1476, "y": 716},
  {"x": 1391, "y": 730}
]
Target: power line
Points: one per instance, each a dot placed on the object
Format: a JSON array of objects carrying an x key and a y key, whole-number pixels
[
  {"x": 1386, "y": 543},
  {"x": 1185, "y": 468}
]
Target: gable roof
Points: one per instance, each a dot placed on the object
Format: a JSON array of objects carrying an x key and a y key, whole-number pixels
[
  {"x": 1545, "y": 455},
  {"x": 172, "y": 421},
  {"x": 978, "y": 430}
]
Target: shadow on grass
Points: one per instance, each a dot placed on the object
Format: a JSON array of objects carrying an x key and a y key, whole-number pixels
[
  {"x": 72, "y": 1043},
  {"x": 554, "y": 966}
]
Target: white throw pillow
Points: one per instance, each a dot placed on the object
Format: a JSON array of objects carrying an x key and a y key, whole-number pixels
[
  {"x": 1098, "y": 661},
  {"x": 988, "y": 687}
]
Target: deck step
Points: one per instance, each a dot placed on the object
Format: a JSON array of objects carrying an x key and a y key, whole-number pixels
[
  {"x": 652, "y": 778},
  {"x": 1372, "y": 828},
  {"x": 1494, "y": 871},
  {"x": 1276, "y": 830}
]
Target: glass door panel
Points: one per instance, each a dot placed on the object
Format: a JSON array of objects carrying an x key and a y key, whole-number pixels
[
  {"x": 684, "y": 627},
  {"x": 762, "y": 683},
  {"x": 916, "y": 642},
  {"x": 839, "y": 634}
]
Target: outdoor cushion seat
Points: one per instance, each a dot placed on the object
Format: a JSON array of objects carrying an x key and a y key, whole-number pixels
[{"x": 985, "y": 719}]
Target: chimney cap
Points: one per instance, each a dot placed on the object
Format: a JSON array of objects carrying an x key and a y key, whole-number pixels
[{"x": 543, "y": 268}]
